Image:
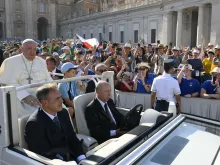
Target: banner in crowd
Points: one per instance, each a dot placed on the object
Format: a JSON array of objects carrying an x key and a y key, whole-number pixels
[{"x": 89, "y": 43}]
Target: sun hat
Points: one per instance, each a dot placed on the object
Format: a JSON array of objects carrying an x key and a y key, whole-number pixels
[
  {"x": 216, "y": 70},
  {"x": 143, "y": 64}
]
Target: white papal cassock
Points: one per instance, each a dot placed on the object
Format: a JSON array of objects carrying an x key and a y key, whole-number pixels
[{"x": 13, "y": 72}]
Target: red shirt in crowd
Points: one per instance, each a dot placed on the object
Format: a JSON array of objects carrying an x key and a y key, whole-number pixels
[{"x": 124, "y": 88}]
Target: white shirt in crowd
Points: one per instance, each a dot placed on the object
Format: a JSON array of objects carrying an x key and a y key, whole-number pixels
[
  {"x": 159, "y": 63},
  {"x": 53, "y": 72},
  {"x": 166, "y": 87}
]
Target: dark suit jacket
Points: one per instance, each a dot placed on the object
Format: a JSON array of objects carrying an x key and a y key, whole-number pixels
[
  {"x": 44, "y": 137},
  {"x": 59, "y": 71},
  {"x": 90, "y": 86},
  {"x": 98, "y": 122}
]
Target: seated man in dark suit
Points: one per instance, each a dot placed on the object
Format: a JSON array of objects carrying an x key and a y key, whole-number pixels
[
  {"x": 51, "y": 67},
  {"x": 103, "y": 119},
  {"x": 49, "y": 131},
  {"x": 99, "y": 69}
]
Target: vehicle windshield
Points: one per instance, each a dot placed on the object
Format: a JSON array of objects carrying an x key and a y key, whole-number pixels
[{"x": 189, "y": 137}]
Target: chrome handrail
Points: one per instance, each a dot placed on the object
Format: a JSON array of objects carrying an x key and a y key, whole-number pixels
[{"x": 57, "y": 81}]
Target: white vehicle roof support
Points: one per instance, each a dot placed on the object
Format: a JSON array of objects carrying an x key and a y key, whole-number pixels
[{"x": 8, "y": 116}]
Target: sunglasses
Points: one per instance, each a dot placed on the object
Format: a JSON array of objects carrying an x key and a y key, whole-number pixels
[{"x": 142, "y": 68}]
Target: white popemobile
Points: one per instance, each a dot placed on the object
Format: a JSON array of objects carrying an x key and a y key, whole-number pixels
[{"x": 160, "y": 138}]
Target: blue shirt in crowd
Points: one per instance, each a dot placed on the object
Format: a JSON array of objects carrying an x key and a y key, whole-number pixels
[
  {"x": 149, "y": 81},
  {"x": 189, "y": 86},
  {"x": 64, "y": 88},
  {"x": 210, "y": 89},
  {"x": 90, "y": 72}
]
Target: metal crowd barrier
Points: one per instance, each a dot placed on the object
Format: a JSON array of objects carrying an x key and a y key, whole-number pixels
[{"x": 207, "y": 108}]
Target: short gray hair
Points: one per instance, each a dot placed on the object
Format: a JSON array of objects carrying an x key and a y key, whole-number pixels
[
  {"x": 99, "y": 65},
  {"x": 101, "y": 84},
  {"x": 43, "y": 91}
]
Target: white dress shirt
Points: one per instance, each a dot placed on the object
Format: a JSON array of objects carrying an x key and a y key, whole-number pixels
[
  {"x": 112, "y": 132},
  {"x": 79, "y": 158},
  {"x": 49, "y": 115},
  {"x": 166, "y": 87},
  {"x": 54, "y": 71}
]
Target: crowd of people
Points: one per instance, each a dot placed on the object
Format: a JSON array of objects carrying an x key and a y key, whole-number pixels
[
  {"x": 135, "y": 67},
  {"x": 165, "y": 72}
]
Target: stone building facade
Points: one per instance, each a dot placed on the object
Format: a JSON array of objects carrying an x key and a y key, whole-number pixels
[
  {"x": 32, "y": 18},
  {"x": 182, "y": 22}
]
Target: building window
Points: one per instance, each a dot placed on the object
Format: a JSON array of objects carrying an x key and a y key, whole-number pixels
[
  {"x": 90, "y": 11},
  {"x": 91, "y": 35},
  {"x": 153, "y": 35},
  {"x": 100, "y": 37},
  {"x": 84, "y": 35},
  {"x": 42, "y": 8},
  {"x": 122, "y": 36},
  {"x": 110, "y": 36},
  {"x": 17, "y": 5},
  {"x": 136, "y": 36}
]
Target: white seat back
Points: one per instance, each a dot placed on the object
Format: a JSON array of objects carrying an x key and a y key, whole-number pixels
[
  {"x": 21, "y": 126},
  {"x": 149, "y": 117},
  {"x": 80, "y": 104}
]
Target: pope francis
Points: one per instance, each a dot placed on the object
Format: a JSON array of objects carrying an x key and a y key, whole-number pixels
[{"x": 23, "y": 69}]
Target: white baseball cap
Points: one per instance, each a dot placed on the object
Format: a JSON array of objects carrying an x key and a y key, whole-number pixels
[
  {"x": 55, "y": 54},
  {"x": 210, "y": 44},
  {"x": 66, "y": 47},
  {"x": 196, "y": 51},
  {"x": 217, "y": 46},
  {"x": 176, "y": 48},
  {"x": 127, "y": 45}
]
